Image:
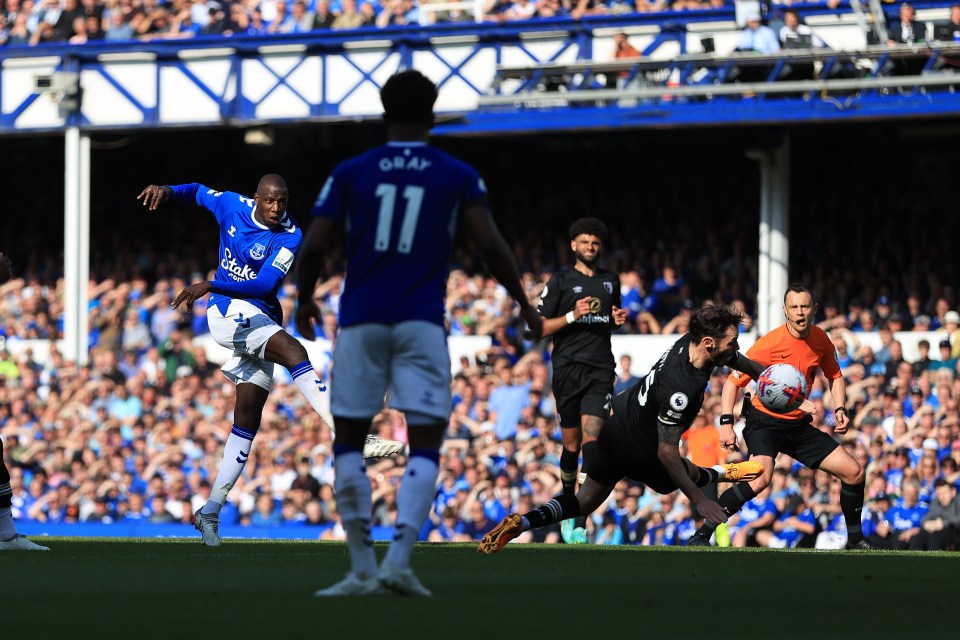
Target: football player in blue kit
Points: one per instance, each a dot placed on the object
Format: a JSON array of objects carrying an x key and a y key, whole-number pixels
[
  {"x": 258, "y": 242},
  {"x": 400, "y": 204}
]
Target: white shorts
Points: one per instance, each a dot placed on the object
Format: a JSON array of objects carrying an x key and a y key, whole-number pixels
[
  {"x": 409, "y": 359},
  {"x": 245, "y": 330}
]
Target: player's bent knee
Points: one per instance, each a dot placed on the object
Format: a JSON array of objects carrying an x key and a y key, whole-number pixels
[
  {"x": 297, "y": 350},
  {"x": 856, "y": 477},
  {"x": 285, "y": 350}
]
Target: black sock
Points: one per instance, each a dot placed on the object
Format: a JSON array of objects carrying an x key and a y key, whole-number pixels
[
  {"x": 560, "y": 508},
  {"x": 851, "y": 503},
  {"x": 587, "y": 451},
  {"x": 731, "y": 500},
  {"x": 568, "y": 471},
  {"x": 707, "y": 476}
]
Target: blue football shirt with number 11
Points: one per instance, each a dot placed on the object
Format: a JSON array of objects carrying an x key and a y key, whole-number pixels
[{"x": 400, "y": 203}]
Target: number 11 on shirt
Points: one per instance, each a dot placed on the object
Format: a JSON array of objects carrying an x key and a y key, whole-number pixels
[{"x": 388, "y": 198}]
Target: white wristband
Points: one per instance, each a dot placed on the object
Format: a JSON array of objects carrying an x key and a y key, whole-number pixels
[{"x": 570, "y": 318}]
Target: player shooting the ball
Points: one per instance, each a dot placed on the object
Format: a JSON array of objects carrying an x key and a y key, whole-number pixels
[
  {"x": 258, "y": 242},
  {"x": 807, "y": 348}
]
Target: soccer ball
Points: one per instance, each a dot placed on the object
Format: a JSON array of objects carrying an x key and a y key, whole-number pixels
[{"x": 781, "y": 388}]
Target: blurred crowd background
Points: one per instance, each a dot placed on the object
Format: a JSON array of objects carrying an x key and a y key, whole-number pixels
[
  {"x": 137, "y": 434},
  {"x": 39, "y": 22}
]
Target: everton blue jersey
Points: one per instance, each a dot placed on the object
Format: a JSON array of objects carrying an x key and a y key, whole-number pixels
[
  {"x": 254, "y": 258},
  {"x": 755, "y": 509},
  {"x": 400, "y": 204},
  {"x": 902, "y": 517},
  {"x": 790, "y": 535}
]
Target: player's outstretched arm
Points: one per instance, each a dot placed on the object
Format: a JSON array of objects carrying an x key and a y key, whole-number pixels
[
  {"x": 308, "y": 272},
  {"x": 153, "y": 195},
  {"x": 745, "y": 365},
  {"x": 728, "y": 398},
  {"x": 838, "y": 391},
  {"x": 193, "y": 293},
  {"x": 501, "y": 262},
  {"x": 668, "y": 453},
  {"x": 553, "y": 326}
]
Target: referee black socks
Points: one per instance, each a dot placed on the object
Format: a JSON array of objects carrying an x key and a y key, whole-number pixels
[{"x": 851, "y": 503}]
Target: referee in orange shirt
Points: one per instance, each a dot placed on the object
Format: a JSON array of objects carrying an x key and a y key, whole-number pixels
[{"x": 808, "y": 348}]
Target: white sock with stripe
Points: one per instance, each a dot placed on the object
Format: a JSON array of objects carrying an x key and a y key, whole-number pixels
[
  {"x": 312, "y": 388},
  {"x": 414, "y": 500},
  {"x": 235, "y": 454},
  {"x": 355, "y": 503}
]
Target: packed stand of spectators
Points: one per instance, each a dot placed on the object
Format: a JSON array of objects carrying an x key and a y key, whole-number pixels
[
  {"x": 34, "y": 22},
  {"x": 136, "y": 434},
  {"x": 37, "y": 22}
]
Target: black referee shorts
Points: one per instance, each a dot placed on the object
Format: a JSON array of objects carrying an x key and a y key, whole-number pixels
[
  {"x": 799, "y": 439},
  {"x": 581, "y": 390},
  {"x": 620, "y": 454}
]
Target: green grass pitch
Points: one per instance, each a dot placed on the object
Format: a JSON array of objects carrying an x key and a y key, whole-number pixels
[{"x": 145, "y": 588}]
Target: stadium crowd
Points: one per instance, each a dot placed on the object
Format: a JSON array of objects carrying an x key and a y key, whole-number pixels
[
  {"x": 36, "y": 22},
  {"x": 135, "y": 435}
]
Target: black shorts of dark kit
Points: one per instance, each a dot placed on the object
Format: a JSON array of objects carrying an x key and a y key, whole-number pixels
[
  {"x": 582, "y": 390},
  {"x": 620, "y": 454},
  {"x": 799, "y": 439}
]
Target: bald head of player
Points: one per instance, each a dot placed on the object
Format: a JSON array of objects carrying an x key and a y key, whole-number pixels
[
  {"x": 408, "y": 98},
  {"x": 271, "y": 199}
]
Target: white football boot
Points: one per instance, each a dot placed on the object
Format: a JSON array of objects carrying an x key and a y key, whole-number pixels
[
  {"x": 208, "y": 524},
  {"x": 374, "y": 447},
  {"x": 352, "y": 586},
  {"x": 401, "y": 581},
  {"x": 21, "y": 543}
]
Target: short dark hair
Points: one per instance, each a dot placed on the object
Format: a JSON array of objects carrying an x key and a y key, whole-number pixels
[
  {"x": 798, "y": 287},
  {"x": 590, "y": 227},
  {"x": 713, "y": 321},
  {"x": 408, "y": 97}
]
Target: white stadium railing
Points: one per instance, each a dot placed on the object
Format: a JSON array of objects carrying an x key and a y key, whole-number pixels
[{"x": 644, "y": 350}]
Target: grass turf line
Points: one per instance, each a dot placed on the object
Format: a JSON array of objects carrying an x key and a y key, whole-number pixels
[{"x": 139, "y": 588}]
